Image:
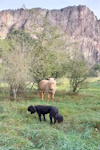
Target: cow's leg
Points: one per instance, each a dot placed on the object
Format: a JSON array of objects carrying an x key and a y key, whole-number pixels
[
  {"x": 52, "y": 97},
  {"x": 41, "y": 95},
  {"x": 48, "y": 97}
]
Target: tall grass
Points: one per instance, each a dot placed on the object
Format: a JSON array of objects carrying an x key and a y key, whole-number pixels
[{"x": 19, "y": 130}]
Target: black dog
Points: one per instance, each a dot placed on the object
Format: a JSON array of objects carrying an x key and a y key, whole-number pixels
[{"x": 53, "y": 112}]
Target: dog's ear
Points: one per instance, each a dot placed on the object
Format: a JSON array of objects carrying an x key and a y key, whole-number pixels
[
  {"x": 34, "y": 109},
  {"x": 30, "y": 108}
]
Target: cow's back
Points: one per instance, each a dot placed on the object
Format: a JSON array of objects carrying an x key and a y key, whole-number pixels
[{"x": 44, "y": 85}]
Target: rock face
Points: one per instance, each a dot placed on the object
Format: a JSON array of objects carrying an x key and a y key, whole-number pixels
[{"x": 78, "y": 22}]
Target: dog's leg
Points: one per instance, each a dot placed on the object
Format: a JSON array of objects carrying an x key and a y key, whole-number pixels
[
  {"x": 50, "y": 118},
  {"x": 39, "y": 116},
  {"x": 44, "y": 117},
  {"x": 54, "y": 120}
]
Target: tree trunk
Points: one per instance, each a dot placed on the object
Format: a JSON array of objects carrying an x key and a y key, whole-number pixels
[
  {"x": 14, "y": 91},
  {"x": 11, "y": 91}
]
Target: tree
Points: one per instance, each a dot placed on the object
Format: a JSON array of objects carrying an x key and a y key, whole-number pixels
[
  {"x": 77, "y": 71},
  {"x": 15, "y": 62},
  {"x": 50, "y": 47}
]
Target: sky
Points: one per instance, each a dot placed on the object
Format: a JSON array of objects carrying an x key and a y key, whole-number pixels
[{"x": 93, "y": 5}]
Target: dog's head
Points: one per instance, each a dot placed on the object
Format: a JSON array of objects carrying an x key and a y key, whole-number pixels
[
  {"x": 59, "y": 118},
  {"x": 32, "y": 109}
]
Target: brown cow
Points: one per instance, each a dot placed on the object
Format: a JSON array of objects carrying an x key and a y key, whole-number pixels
[{"x": 49, "y": 87}]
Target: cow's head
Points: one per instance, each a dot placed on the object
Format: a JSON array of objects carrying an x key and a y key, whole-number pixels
[{"x": 52, "y": 84}]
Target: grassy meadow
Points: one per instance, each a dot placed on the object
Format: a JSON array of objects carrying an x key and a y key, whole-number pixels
[{"x": 19, "y": 130}]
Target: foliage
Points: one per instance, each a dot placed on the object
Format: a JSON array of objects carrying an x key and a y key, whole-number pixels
[
  {"x": 96, "y": 67},
  {"x": 4, "y": 47},
  {"x": 77, "y": 71},
  {"x": 49, "y": 48},
  {"x": 15, "y": 62},
  {"x": 95, "y": 70}
]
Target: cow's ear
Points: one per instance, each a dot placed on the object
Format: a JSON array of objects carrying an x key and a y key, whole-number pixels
[{"x": 48, "y": 78}]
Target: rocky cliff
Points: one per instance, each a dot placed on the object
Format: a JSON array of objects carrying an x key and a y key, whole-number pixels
[{"x": 78, "y": 22}]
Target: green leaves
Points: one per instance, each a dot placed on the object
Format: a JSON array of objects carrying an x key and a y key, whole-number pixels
[{"x": 78, "y": 71}]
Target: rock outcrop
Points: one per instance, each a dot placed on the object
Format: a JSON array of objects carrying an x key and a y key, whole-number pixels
[{"x": 78, "y": 22}]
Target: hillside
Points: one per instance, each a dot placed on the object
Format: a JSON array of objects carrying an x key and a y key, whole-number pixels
[{"x": 78, "y": 22}]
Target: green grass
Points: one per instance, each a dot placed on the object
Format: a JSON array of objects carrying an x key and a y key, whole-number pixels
[{"x": 19, "y": 130}]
